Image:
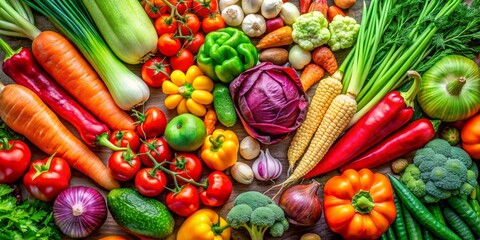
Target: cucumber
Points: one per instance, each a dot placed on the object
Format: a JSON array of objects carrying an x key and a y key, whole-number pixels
[
  {"x": 468, "y": 215},
  {"x": 457, "y": 224},
  {"x": 139, "y": 215},
  {"x": 223, "y": 105}
]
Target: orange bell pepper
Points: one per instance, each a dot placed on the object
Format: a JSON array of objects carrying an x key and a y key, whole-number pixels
[
  {"x": 220, "y": 150},
  {"x": 359, "y": 205},
  {"x": 471, "y": 137}
]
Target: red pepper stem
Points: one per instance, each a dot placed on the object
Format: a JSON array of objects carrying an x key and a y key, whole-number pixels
[
  {"x": 409, "y": 96},
  {"x": 9, "y": 52},
  {"x": 436, "y": 124},
  {"x": 5, "y": 145},
  {"x": 43, "y": 167},
  {"x": 102, "y": 140}
]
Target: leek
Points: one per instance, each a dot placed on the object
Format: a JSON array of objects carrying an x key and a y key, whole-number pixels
[
  {"x": 73, "y": 19},
  {"x": 125, "y": 27}
]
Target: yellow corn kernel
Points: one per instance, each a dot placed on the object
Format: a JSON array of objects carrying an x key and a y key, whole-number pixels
[
  {"x": 182, "y": 107},
  {"x": 177, "y": 77},
  {"x": 195, "y": 108},
  {"x": 169, "y": 88},
  {"x": 202, "y": 97},
  {"x": 203, "y": 83},
  {"x": 172, "y": 101},
  {"x": 192, "y": 73}
]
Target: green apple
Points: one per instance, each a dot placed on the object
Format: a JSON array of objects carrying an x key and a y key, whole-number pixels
[{"x": 185, "y": 132}]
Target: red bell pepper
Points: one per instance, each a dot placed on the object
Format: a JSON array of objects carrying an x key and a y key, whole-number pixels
[
  {"x": 390, "y": 114},
  {"x": 14, "y": 160},
  {"x": 409, "y": 138},
  {"x": 217, "y": 189}
]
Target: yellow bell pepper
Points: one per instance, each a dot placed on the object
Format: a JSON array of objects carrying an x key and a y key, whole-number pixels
[
  {"x": 204, "y": 224},
  {"x": 188, "y": 92},
  {"x": 219, "y": 151}
]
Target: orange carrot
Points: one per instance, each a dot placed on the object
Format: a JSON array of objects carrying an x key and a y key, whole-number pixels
[
  {"x": 334, "y": 11},
  {"x": 277, "y": 38},
  {"x": 210, "y": 120},
  {"x": 67, "y": 66},
  {"x": 311, "y": 74},
  {"x": 324, "y": 57},
  {"x": 25, "y": 113}
]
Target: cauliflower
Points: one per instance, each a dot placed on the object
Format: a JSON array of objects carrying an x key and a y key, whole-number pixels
[
  {"x": 310, "y": 30},
  {"x": 344, "y": 31}
]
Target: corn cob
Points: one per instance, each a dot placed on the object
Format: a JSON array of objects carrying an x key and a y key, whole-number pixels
[{"x": 326, "y": 91}]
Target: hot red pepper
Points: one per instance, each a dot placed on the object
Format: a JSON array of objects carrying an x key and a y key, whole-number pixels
[
  {"x": 411, "y": 137},
  {"x": 304, "y": 5},
  {"x": 390, "y": 114},
  {"x": 217, "y": 189},
  {"x": 21, "y": 66}
]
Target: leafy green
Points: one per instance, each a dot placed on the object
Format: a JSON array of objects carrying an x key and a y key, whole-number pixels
[
  {"x": 27, "y": 221},
  {"x": 6, "y": 132}
]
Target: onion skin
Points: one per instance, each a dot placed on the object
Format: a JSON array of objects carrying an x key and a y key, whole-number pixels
[
  {"x": 301, "y": 204},
  {"x": 85, "y": 202}
]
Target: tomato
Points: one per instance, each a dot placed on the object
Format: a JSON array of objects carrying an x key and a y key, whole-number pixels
[
  {"x": 48, "y": 177},
  {"x": 204, "y": 8},
  {"x": 191, "y": 23},
  {"x": 155, "y": 8},
  {"x": 182, "y": 60},
  {"x": 124, "y": 138},
  {"x": 187, "y": 165},
  {"x": 124, "y": 165},
  {"x": 168, "y": 45},
  {"x": 165, "y": 24},
  {"x": 184, "y": 202},
  {"x": 212, "y": 23},
  {"x": 150, "y": 182},
  {"x": 14, "y": 160},
  {"x": 158, "y": 148},
  {"x": 181, "y": 6},
  {"x": 151, "y": 124},
  {"x": 195, "y": 43},
  {"x": 155, "y": 72}
]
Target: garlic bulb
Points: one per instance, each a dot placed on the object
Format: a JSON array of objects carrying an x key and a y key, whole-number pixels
[
  {"x": 249, "y": 148},
  {"x": 266, "y": 167},
  {"x": 242, "y": 173}
]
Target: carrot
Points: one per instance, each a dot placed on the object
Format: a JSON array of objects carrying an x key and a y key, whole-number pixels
[
  {"x": 26, "y": 114},
  {"x": 210, "y": 120},
  {"x": 277, "y": 38},
  {"x": 324, "y": 57},
  {"x": 311, "y": 74},
  {"x": 67, "y": 66}
]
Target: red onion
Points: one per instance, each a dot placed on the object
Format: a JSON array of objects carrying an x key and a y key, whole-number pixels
[
  {"x": 301, "y": 204},
  {"x": 79, "y": 211},
  {"x": 266, "y": 167},
  {"x": 274, "y": 24}
]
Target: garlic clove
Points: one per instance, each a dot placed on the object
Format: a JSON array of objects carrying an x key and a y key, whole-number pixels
[{"x": 242, "y": 173}]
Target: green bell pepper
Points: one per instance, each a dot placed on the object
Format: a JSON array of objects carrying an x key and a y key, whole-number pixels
[{"x": 225, "y": 54}]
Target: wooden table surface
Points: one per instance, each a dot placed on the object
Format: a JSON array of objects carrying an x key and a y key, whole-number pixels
[{"x": 156, "y": 99}]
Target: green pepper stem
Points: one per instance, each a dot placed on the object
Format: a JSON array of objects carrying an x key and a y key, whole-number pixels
[
  {"x": 363, "y": 202},
  {"x": 9, "y": 52},
  {"x": 5, "y": 145},
  {"x": 43, "y": 167},
  {"x": 217, "y": 229},
  {"x": 409, "y": 96},
  {"x": 455, "y": 87},
  {"x": 102, "y": 140},
  {"x": 186, "y": 90},
  {"x": 217, "y": 143}
]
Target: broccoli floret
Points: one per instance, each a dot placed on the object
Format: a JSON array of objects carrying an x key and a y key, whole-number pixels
[
  {"x": 422, "y": 155},
  {"x": 429, "y": 164},
  {"x": 253, "y": 199},
  {"x": 285, "y": 224},
  {"x": 277, "y": 229},
  {"x": 262, "y": 217},
  {"x": 310, "y": 30},
  {"x": 411, "y": 179},
  {"x": 472, "y": 177},
  {"x": 466, "y": 188},
  {"x": 344, "y": 31},
  {"x": 437, "y": 192},
  {"x": 439, "y": 146},
  {"x": 442, "y": 176},
  {"x": 239, "y": 215},
  {"x": 461, "y": 155},
  {"x": 279, "y": 214}
]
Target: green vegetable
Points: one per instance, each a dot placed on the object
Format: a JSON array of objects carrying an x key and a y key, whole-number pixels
[
  {"x": 413, "y": 227},
  {"x": 473, "y": 200},
  {"x": 223, "y": 104},
  {"x": 435, "y": 209},
  {"x": 461, "y": 207},
  {"x": 390, "y": 234},
  {"x": 139, "y": 215},
  {"x": 420, "y": 212},
  {"x": 439, "y": 171},
  {"x": 457, "y": 224},
  {"x": 398, "y": 225},
  {"x": 427, "y": 235},
  {"x": 310, "y": 30},
  {"x": 451, "y": 135},
  {"x": 30, "y": 220},
  {"x": 257, "y": 213},
  {"x": 450, "y": 89},
  {"x": 344, "y": 31}
]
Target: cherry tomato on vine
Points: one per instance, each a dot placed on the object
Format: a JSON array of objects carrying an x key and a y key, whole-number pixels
[
  {"x": 195, "y": 43},
  {"x": 151, "y": 124},
  {"x": 184, "y": 202},
  {"x": 150, "y": 183},
  {"x": 155, "y": 71},
  {"x": 165, "y": 24},
  {"x": 181, "y": 6},
  {"x": 212, "y": 23},
  {"x": 155, "y": 8},
  {"x": 122, "y": 138},
  {"x": 14, "y": 160},
  {"x": 168, "y": 45},
  {"x": 204, "y": 8},
  {"x": 191, "y": 22},
  {"x": 158, "y": 148},
  {"x": 124, "y": 165},
  {"x": 187, "y": 165},
  {"x": 182, "y": 60}
]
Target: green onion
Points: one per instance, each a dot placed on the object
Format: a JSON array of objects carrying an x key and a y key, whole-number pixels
[{"x": 73, "y": 19}]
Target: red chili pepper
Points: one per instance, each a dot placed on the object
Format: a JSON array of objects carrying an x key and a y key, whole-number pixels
[
  {"x": 411, "y": 137},
  {"x": 304, "y": 5},
  {"x": 217, "y": 191},
  {"x": 21, "y": 66},
  {"x": 320, "y": 6},
  {"x": 390, "y": 114}
]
